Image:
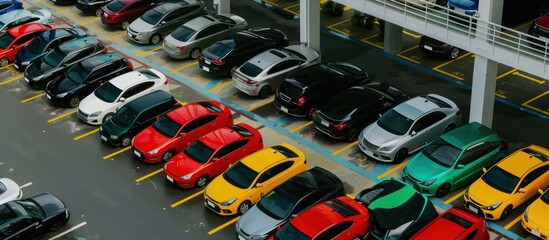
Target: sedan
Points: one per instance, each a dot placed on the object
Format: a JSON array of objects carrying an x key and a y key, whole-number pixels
[
  {"x": 290, "y": 198},
  {"x": 436, "y": 48},
  {"x": 13, "y": 40},
  {"x": 539, "y": 28},
  {"x": 6, "y": 6},
  {"x": 9, "y": 190},
  {"x": 534, "y": 219},
  {"x": 189, "y": 39},
  {"x": 177, "y": 129},
  {"x": 456, "y": 224},
  {"x": 265, "y": 72},
  {"x": 211, "y": 154},
  {"x": 101, "y": 105},
  {"x": 21, "y": 16},
  {"x": 32, "y": 217},
  {"x": 455, "y": 159},
  {"x": 510, "y": 183},
  {"x": 408, "y": 127},
  {"x": 349, "y": 112},
  {"x": 249, "y": 179},
  {"x": 120, "y": 13}
]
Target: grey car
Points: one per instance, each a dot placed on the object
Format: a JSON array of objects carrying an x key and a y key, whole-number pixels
[
  {"x": 160, "y": 21},
  {"x": 21, "y": 16},
  {"x": 265, "y": 72},
  {"x": 408, "y": 127},
  {"x": 201, "y": 32}
]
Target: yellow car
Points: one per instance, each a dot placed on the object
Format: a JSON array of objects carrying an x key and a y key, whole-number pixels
[
  {"x": 534, "y": 219},
  {"x": 247, "y": 180},
  {"x": 509, "y": 183}
]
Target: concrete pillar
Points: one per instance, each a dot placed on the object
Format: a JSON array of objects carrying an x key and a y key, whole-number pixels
[
  {"x": 222, "y": 6},
  {"x": 392, "y": 40},
  {"x": 309, "y": 24}
]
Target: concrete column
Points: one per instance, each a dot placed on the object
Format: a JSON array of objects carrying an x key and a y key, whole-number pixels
[
  {"x": 222, "y": 6},
  {"x": 392, "y": 40},
  {"x": 309, "y": 24}
]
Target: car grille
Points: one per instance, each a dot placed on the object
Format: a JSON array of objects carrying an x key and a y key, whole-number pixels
[
  {"x": 409, "y": 179},
  {"x": 141, "y": 153},
  {"x": 82, "y": 115},
  {"x": 216, "y": 208},
  {"x": 284, "y": 97},
  {"x": 368, "y": 145}
]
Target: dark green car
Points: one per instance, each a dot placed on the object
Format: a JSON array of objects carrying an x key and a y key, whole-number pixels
[{"x": 455, "y": 159}]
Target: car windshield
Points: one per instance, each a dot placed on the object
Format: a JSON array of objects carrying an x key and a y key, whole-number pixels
[
  {"x": 115, "y": 6},
  {"x": 28, "y": 208},
  {"x": 78, "y": 73},
  {"x": 183, "y": 33},
  {"x": 198, "y": 151},
  {"x": 545, "y": 197},
  {"x": 152, "y": 16},
  {"x": 278, "y": 203},
  {"x": 221, "y": 48},
  {"x": 125, "y": 116},
  {"x": 166, "y": 126},
  {"x": 107, "y": 92},
  {"x": 290, "y": 232},
  {"x": 250, "y": 69},
  {"x": 442, "y": 152},
  {"x": 54, "y": 57},
  {"x": 240, "y": 175},
  {"x": 5, "y": 40},
  {"x": 500, "y": 179},
  {"x": 394, "y": 122},
  {"x": 38, "y": 45}
]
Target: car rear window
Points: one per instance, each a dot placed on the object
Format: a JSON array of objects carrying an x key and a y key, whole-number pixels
[
  {"x": 536, "y": 154},
  {"x": 342, "y": 208},
  {"x": 115, "y": 6},
  {"x": 149, "y": 74},
  {"x": 242, "y": 131},
  {"x": 291, "y": 90},
  {"x": 222, "y": 48},
  {"x": 285, "y": 151},
  {"x": 250, "y": 69},
  {"x": 224, "y": 19},
  {"x": 183, "y": 33},
  {"x": 460, "y": 221},
  {"x": 438, "y": 102}
]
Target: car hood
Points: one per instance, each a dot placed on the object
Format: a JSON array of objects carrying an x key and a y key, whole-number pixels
[
  {"x": 378, "y": 136},
  {"x": 543, "y": 21},
  {"x": 25, "y": 55},
  {"x": 464, "y": 4},
  {"x": 310, "y": 54},
  {"x": 37, "y": 68},
  {"x": 484, "y": 194},
  {"x": 256, "y": 222},
  {"x": 149, "y": 139},
  {"x": 138, "y": 25},
  {"x": 220, "y": 190},
  {"x": 62, "y": 85},
  {"x": 50, "y": 204},
  {"x": 181, "y": 165},
  {"x": 91, "y": 104},
  {"x": 537, "y": 213},
  {"x": 112, "y": 127},
  {"x": 422, "y": 168}
]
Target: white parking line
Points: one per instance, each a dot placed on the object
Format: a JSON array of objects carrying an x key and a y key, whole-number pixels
[
  {"x": 26, "y": 185},
  {"x": 70, "y": 230}
]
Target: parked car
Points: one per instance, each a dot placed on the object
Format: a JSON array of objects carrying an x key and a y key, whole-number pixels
[
  {"x": 456, "y": 224},
  {"x": 44, "y": 42},
  {"x": 188, "y": 40},
  {"x": 312, "y": 87},
  {"x": 455, "y": 159},
  {"x": 408, "y": 127},
  {"x": 292, "y": 197},
  {"x": 92, "y": 7},
  {"x": 101, "y": 105},
  {"x": 16, "y": 38},
  {"x": 397, "y": 209},
  {"x": 84, "y": 77},
  {"x": 177, "y": 129},
  {"x": 345, "y": 115},
  {"x": 19, "y": 17},
  {"x": 32, "y": 217},
  {"x": 436, "y": 48},
  {"x": 341, "y": 218},
  {"x": 424, "y": 3},
  {"x": 540, "y": 29},
  {"x": 160, "y": 21},
  {"x": 246, "y": 181},
  {"x": 225, "y": 56},
  {"x": 264, "y": 73},
  {"x": 534, "y": 219},
  {"x": 120, "y": 13},
  {"x": 56, "y": 62},
  {"x": 514, "y": 11},
  {"x": 508, "y": 184},
  {"x": 9, "y": 190},
  {"x": 7, "y": 6},
  {"x": 212, "y": 154}
]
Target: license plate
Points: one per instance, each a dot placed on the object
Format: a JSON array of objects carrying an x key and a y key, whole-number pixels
[
  {"x": 473, "y": 209},
  {"x": 240, "y": 237},
  {"x": 169, "y": 178},
  {"x": 210, "y": 203},
  {"x": 283, "y": 109},
  {"x": 27, "y": 80},
  {"x": 428, "y": 48},
  {"x": 207, "y": 61},
  {"x": 536, "y": 233},
  {"x": 48, "y": 96},
  {"x": 324, "y": 123},
  {"x": 207, "y": 69},
  {"x": 106, "y": 15},
  {"x": 137, "y": 153},
  {"x": 104, "y": 138}
]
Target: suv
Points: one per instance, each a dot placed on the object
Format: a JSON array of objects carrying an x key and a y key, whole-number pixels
[
  {"x": 56, "y": 62},
  {"x": 135, "y": 116},
  {"x": 84, "y": 77},
  {"x": 226, "y": 55},
  {"x": 92, "y": 6}
]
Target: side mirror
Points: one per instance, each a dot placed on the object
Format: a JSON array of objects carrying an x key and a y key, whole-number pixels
[
  {"x": 379, "y": 115},
  {"x": 215, "y": 159},
  {"x": 460, "y": 166},
  {"x": 522, "y": 190},
  {"x": 293, "y": 216},
  {"x": 259, "y": 185},
  {"x": 413, "y": 133},
  {"x": 163, "y": 22},
  {"x": 540, "y": 191},
  {"x": 123, "y": 99}
]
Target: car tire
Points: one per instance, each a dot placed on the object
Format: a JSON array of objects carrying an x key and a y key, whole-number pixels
[
  {"x": 352, "y": 136},
  {"x": 98, "y": 12},
  {"x": 505, "y": 213},
  {"x": 74, "y": 101},
  {"x": 401, "y": 155},
  {"x": 449, "y": 128},
  {"x": 454, "y": 53},
  {"x": 107, "y": 117},
  {"x": 56, "y": 226},
  {"x": 310, "y": 113},
  {"x": 264, "y": 92},
  {"x": 126, "y": 141},
  {"x": 442, "y": 190},
  {"x": 243, "y": 207},
  {"x": 125, "y": 25},
  {"x": 4, "y": 62},
  {"x": 195, "y": 54},
  {"x": 167, "y": 155},
  {"x": 155, "y": 39},
  {"x": 201, "y": 181}
]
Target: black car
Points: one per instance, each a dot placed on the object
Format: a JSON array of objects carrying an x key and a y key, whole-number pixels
[
  {"x": 352, "y": 110},
  {"x": 311, "y": 88},
  {"x": 55, "y": 63},
  {"x": 436, "y": 48},
  {"x": 63, "y": 2},
  {"x": 92, "y": 6},
  {"x": 84, "y": 77},
  {"x": 32, "y": 217},
  {"x": 226, "y": 55}
]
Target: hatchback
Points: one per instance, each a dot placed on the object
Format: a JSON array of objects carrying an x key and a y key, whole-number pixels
[
  {"x": 408, "y": 127},
  {"x": 55, "y": 63},
  {"x": 84, "y": 77},
  {"x": 6, "y": 6},
  {"x": 455, "y": 224},
  {"x": 264, "y": 73},
  {"x": 162, "y": 20},
  {"x": 21, "y": 16},
  {"x": 16, "y": 38},
  {"x": 188, "y": 40}
]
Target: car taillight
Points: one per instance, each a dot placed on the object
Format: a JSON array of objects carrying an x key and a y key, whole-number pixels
[
  {"x": 200, "y": 54},
  {"x": 217, "y": 62},
  {"x": 104, "y": 50},
  {"x": 249, "y": 81},
  {"x": 340, "y": 126},
  {"x": 130, "y": 64},
  {"x": 166, "y": 82},
  {"x": 180, "y": 48},
  {"x": 300, "y": 101},
  {"x": 313, "y": 114},
  {"x": 458, "y": 112}
]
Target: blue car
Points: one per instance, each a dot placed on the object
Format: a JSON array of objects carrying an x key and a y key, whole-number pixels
[{"x": 6, "y": 6}]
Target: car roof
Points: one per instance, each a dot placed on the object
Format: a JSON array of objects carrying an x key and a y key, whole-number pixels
[
  {"x": 449, "y": 225},
  {"x": 128, "y": 79},
  {"x": 55, "y": 33},
  {"x": 27, "y": 28},
  {"x": 78, "y": 44},
  {"x": 14, "y": 14},
  {"x": 307, "y": 182},
  {"x": 417, "y": 106},
  {"x": 168, "y": 7},
  {"x": 145, "y": 101},
  {"x": 265, "y": 157},
  {"x": 268, "y": 58},
  {"x": 100, "y": 59},
  {"x": 220, "y": 137},
  {"x": 200, "y": 22},
  {"x": 520, "y": 161},
  {"x": 188, "y": 112},
  {"x": 468, "y": 135}
]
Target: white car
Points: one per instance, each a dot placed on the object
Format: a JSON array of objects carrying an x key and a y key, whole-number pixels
[
  {"x": 101, "y": 105},
  {"x": 9, "y": 190}
]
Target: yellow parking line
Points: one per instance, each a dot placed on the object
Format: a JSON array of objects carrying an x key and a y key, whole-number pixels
[
  {"x": 181, "y": 102},
  {"x": 11, "y": 79},
  {"x": 33, "y": 97},
  {"x": 522, "y": 25},
  {"x": 223, "y": 225},
  {"x": 501, "y": 96},
  {"x": 269, "y": 2},
  {"x": 302, "y": 126},
  {"x": 391, "y": 170},
  {"x": 90, "y": 21},
  {"x": 448, "y": 74},
  {"x": 411, "y": 34},
  {"x": 149, "y": 51},
  {"x": 510, "y": 224},
  {"x": 117, "y": 36},
  {"x": 7, "y": 66},
  {"x": 451, "y": 61},
  {"x": 338, "y": 23},
  {"x": 184, "y": 66},
  {"x": 292, "y": 6},
  {"x": 453, "y": 198},
  {"x": 529, "y": 78},
  {"x": 186, "y": 199},
  {"x": 367, "y": 40},
  {"x": 349, "y": 195},
  {"x": 407, "y": 58},
  {"x": 345, "y": 9},
  {"x": 345, "y": 148},
  {"x": 117, "y": 152},
  {"x": 260, "y": 105},
  {"x": 506, "y": 73},
  {"x": 546, "y": 112},
  {"x": 64, "y": 10},
  {"x": 220, "y": 86},
  {"x": 149, "y": 175},
  {"x": 86, "y": 134},
  {"x": 61, "y": 116}
]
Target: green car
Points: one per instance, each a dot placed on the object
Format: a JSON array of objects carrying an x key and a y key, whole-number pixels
[{"x": 455, "y": 159}]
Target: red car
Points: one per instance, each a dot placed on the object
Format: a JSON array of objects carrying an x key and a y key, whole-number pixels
[
  {"x": 17, "y": 37},
  {"x": 172, "y": 132},
  {"x": 342, "y": 218},
  {"x": 120, "y": 13},
  {"x": 212, "y": 154},
  {"x": 454, "y": 224}
]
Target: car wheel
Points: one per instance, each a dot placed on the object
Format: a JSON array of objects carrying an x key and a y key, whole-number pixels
[
  {"x": 449, "y": 128},
  {"x": 506, "y": 212},
  {"x": 443, "y": 190},
  {"x": 125, "y": 25},
  {"x": 56, "y": 226},
  {"x": 125, "y": 141},
  {"x": 201, "y": 181},
  {"x": 265, "y": 92},
  {"x": 195, "y": 53},
  {"x": 454, "y": 53},
  {"x": 107, "y": 117},
  {"x": 98, "y": 12},
  {"x": 74, "y": 102},
  {"x": 155, "y": 39},
  {"x": 243, "y": 207},
  {"x": 4, "y": 62},
  {"x": 310, "y": 113},
  {"x": 401, "y": 155},
  {"x": 352, "y": 136},
  {"x": 167, "y": 155}
]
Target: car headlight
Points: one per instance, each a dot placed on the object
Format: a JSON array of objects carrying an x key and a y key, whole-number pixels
[
  {"x": 61, "y": 95},
  {"x": 228, "y": 202},
  {"x": 264, "y": 236},
  {"x": 186, "y": 177},
  {"x": 494, "y": 206},
  {"x": 526, "y": 214},
  {"x": 388, "y": 147},
  {"x": 428, "y": 182},
  {"x": 114, "y": 137},
  {"x": 25, "y": 63},
  {"x": 95, "y": 114},
  {"x": 154, "y": 151}
]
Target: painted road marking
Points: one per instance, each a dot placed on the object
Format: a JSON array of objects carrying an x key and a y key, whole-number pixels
[
  {"x": 260, "y": 105},
  {"x": 453, "y": 198},
  {"x": 529, "y": 78},
  {"x": 301, "y": 127},
  {"x": 288, "y": 9},
  {"x": 7, "y": 66},
  {"x": 411, "y": 34},
  {"x": 184, "y": 66},
  {"x": 546, "y": 111},
  {"x": 378, "y": 44},
  {"x": 86, "y": 134},
  {"x": 11, "y": 79},
  {"x": 33, "y": 97},
  {"x": 61, "y": 116},
  {"x": 116, "y": 36},
  {"x": 407, "y": 58},
  {"x": 26, "y": 185},
  {"x": 223, "y": 225},
  {"x": 187, "y": 199},
  {"x": 117, "y": 152},
  {"x": 220, "y": 86},
  {"x": 148, "y": 51},
  {"x": 269, "y": 2},
  {"x": 64, "y": 10},
  {"x": 393, "y": 169},
  {"x": 510, "y": 224},
  {"x": 506, "y": 73},
  {"x": 451, "y": 61},
  {"x": 149, "y": 175},
  {"x": 90, "y": 21},
  {"x": 337, "y": 30},
  {"x": 68, "y": 231},
  {"x": 345, "y": 148}
]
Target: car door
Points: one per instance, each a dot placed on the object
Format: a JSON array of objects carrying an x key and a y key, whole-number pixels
[
  {"x": 422, "y": 130},
  {"x": 143, "y": 121},
  {"x": 529, "y": 185},
  {"x": 280, "y": 71},
  {"x": 169, "y": 23},
  {"x": 25, "y": 228},
  {"x": 198, "y": 127},
  {"x": 269, "y": 179},
  {"x": 136, "y": 91},
  {"x": 469, "y": 165},
  {"x": 226, "y": 156}
]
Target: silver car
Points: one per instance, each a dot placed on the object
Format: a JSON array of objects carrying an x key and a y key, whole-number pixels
[
  {"x": 9, "y": 190},
  {"x": 201, "y": 32},
  {"x": 408, "y": 127},
  {"x": 21, "y": 16},
  {"x": 265, "y": 72},
  {"x": 160, "y": 21}
]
